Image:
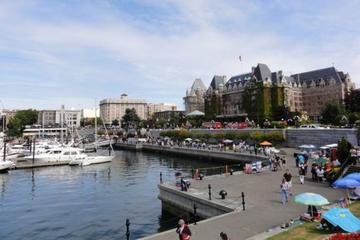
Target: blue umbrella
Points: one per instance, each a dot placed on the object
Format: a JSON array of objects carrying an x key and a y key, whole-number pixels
[
  {"x": 346, "y": 183},
  {"x": 311, "y": 199},
  {"x": 355, "y": 176},
  {"x": 343, "y": 218}
]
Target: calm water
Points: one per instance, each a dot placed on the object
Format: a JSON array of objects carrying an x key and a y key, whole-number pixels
[{"x": 91, "y": 202}]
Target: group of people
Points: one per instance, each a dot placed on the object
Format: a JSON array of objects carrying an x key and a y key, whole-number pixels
[{"x": 276, "y": 162}]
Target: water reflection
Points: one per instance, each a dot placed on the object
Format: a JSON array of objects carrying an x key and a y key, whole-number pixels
[{"x": 89, "y": 202}]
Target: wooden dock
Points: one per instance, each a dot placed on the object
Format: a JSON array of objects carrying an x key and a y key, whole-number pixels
[{"x": 29, "y": 164}]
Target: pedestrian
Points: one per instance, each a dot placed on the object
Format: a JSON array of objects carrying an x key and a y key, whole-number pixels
[
  {"x": 302, "y": 173},
  {"x": 287, "y": 175},
  {"x": 283, "y": 161},
  {"x": 320, "y": 174},
  {"x": 183, "y": 230},
  {"x": 284, "y": 186},
  {"x": 223, "y": 236},
  {"x": 270, "y": 163}
]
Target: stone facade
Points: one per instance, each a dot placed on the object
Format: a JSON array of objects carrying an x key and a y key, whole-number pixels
[
  {"x": 194, "y": 99},
  {"x": 114, "y": 108},
  {"x": 153, "y": 108},
  {"x": 259, "y": 93}
]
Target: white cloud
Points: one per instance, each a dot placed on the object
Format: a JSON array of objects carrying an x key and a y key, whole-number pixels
[{"x": 200, "y": 39}]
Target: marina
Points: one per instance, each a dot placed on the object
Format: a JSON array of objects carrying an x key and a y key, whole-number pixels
[{"x": 92, "y": 201}]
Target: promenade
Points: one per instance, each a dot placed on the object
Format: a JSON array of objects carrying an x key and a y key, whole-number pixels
[{"x": 264, "y": 210}]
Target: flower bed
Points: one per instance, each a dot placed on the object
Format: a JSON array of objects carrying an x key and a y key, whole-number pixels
[{"x": 342, "y": 236}]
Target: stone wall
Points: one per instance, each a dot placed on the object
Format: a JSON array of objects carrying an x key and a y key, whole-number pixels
[
  {"x": 319, "y": 137},
  {"x": 295, "y": 137}
]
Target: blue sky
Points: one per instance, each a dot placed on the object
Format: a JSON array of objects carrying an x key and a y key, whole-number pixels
[{"x": 72, "y": 52}]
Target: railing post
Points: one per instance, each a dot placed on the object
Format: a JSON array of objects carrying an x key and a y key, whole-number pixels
[
  {"x": 209, "y": 186},
  {"x": 127, "y": 229},
  {"x": 161, "y": 179},
  {"x": 243, "y": 200},
  {"x": 195, "y": 217}
]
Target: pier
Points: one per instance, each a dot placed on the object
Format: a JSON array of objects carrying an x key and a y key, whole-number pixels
[
  {"x": 263, "y": 208},
  {"x": 210, "y": 155}
]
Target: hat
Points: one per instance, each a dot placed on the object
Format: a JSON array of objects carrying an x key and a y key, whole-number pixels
[{"x": 181, "y": 221}]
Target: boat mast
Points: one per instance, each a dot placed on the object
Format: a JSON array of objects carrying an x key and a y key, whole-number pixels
[{"x": 95, "y": 127}]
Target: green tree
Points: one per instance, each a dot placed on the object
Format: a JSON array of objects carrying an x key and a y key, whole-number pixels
[
  {"x": 343, "y": 150},
  {"x": 352, "y": 101},
  {"x": 115, "y": 122},
  {"x": 332, "y": 112},
  {"x": 130, "y": 119},
  {"x": 20, "y": 120}
]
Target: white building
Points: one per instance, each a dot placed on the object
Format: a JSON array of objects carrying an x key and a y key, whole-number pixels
[
  {"x": 90, "y": 113},
  {"x": 71, "y": 118},
  {"x": 159, "y": 107},
  {"x": 114, "y": 108}
]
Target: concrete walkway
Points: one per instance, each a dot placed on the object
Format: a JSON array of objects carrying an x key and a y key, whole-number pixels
[{"x": 264, "y": 210}]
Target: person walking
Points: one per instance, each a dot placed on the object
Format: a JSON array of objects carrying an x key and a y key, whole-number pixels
[
  {"x": 183, "y": 230},
  {"x": 302, "y": 173},
  {"x": 284, "y": 186},
  {"x": 287, "y": 176}
]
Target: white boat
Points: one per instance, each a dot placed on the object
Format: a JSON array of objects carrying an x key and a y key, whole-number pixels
[
  {"x": 88, "y": 160},
  {"x": 58, "y": 155},
  {"x": 6, "y": 165}
]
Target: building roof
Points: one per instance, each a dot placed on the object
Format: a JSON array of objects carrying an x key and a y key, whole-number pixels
[
  {"x": 123, "y": 99},
  {"x": 262, "y": 72},
  {"x": 316, "y": 75},
  {"x": 217, "y": 81},
  {"x": 197, "y": 85}
]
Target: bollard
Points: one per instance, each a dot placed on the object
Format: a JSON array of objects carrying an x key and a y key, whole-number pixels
[
  {"x": 195, "y": 217},
  {"x": 161, "y": 180},
  {"x": 127, "y": 229},
  {"x": 209, "y": 186},
  {"x": 243, "y": 200},
  {"x": 226, "y": 169}
]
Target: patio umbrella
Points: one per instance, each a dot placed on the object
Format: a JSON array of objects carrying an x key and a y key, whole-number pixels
[
  {"x": 227, "y": 141},
  {"x": 265, "y": 143},
  {"x": 313, "y": 199},
  {"x": 188, "y": 139},
  {"x": 355, "y": 176},
  {"x": 307, "y": 146},
  {"x": 343, "y": 218},
  {"x": 346, "y": 183}
]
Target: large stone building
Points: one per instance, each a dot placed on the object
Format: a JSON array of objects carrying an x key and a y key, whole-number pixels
[
  {"x": 50, "y": 118},
  {"x": 153, "y": 108},
  {"x": 114, "y": 108},
  {"x": 194, "y": 99},
  {"x": 260, "y": 93}
]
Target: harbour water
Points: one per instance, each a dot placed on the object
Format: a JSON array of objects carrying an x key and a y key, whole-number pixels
[{"x": 90, "y": 202}]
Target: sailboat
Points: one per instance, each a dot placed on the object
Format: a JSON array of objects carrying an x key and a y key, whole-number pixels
[{"x": 89, "y": 160}]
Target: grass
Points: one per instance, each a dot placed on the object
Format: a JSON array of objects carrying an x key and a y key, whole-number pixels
[{"x": 309, "y": 231}]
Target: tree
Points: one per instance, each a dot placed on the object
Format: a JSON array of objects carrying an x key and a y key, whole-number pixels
[
  {"x": 115, "y": 122},
  {"x": 332, "y": 113},
  {"x": 343, "y": 150},
  {"x": 20, "y": 120},
  {"x": 130, "y": 119},
  {"x": 352, "y": 101}
]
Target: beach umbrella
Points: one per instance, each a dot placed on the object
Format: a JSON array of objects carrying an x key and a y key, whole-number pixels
[
  {"x": 354, "y": 176},
  {"x": 313, "y": 199},
  {"x": 346, "y": 183},
  {"x": 265, "y": 143},
  {"x": 343, "y": 218}
]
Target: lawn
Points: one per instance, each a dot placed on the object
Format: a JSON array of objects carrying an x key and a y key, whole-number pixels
[{"x": 309, "y": 231}]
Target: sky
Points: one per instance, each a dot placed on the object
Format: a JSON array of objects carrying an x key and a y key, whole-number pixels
[{"x": 81, "y": 51}]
